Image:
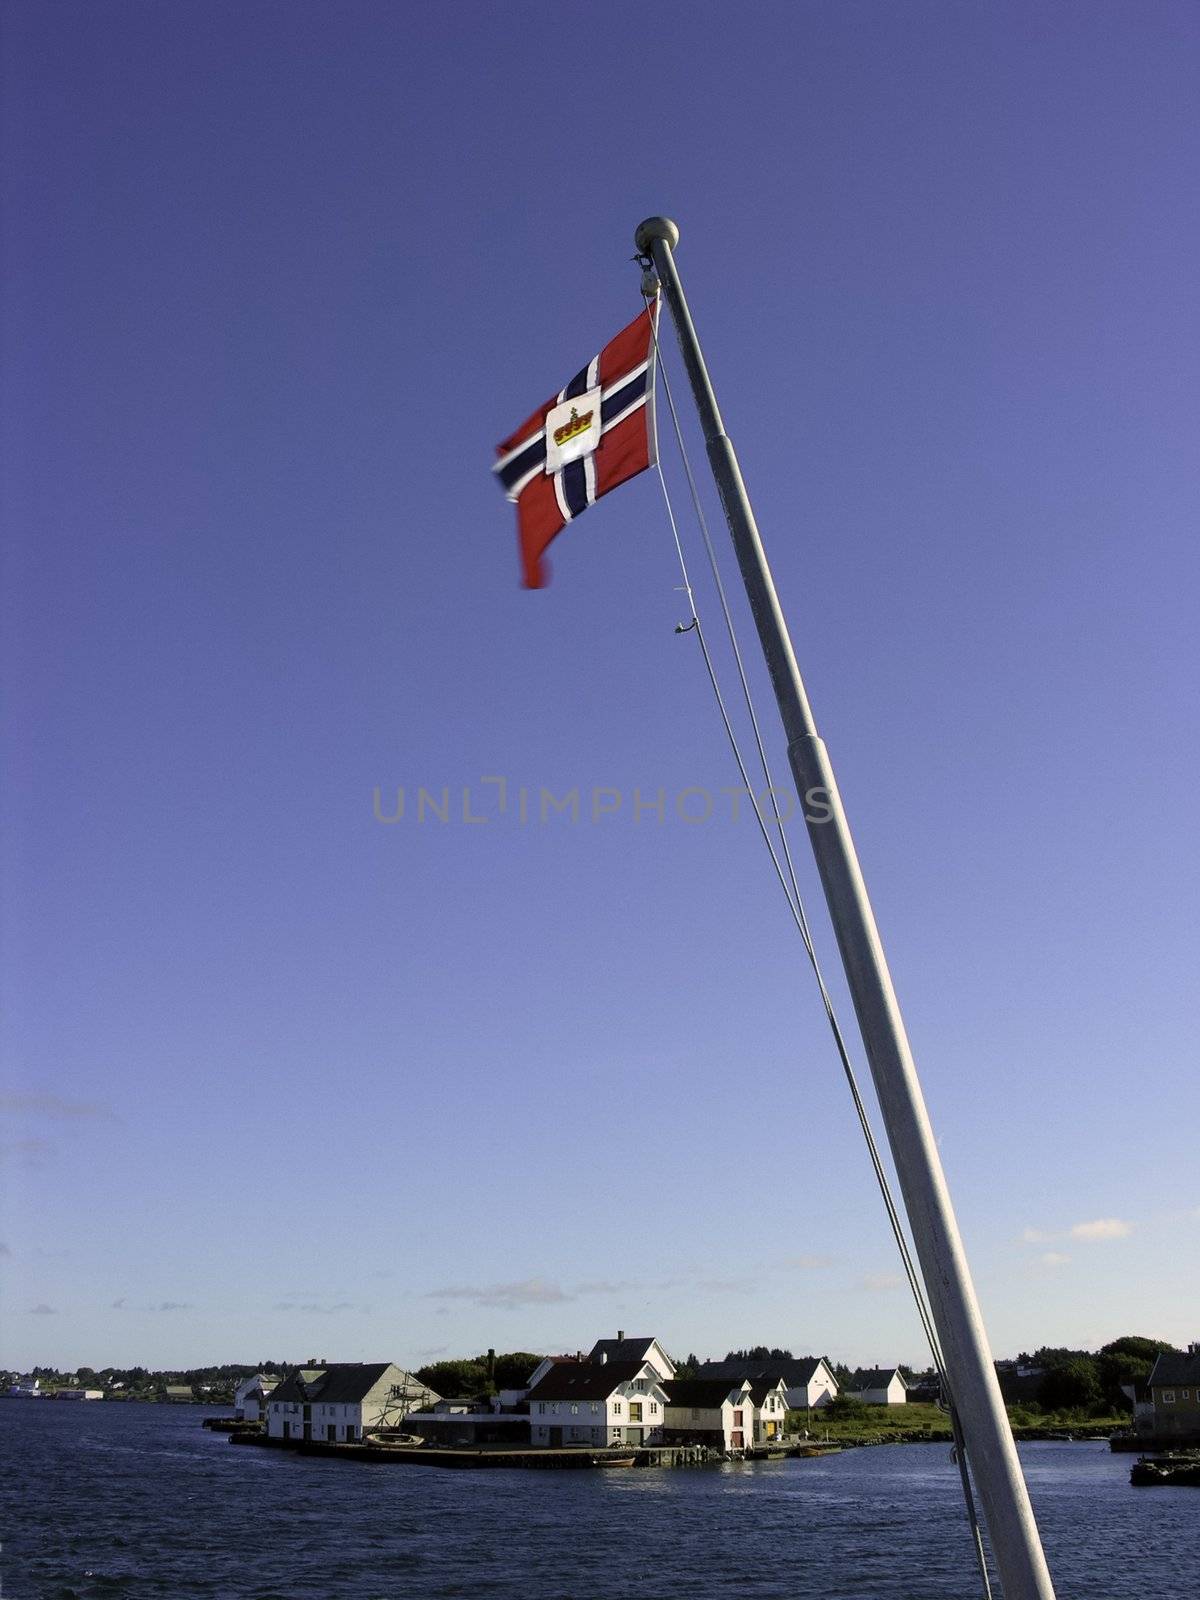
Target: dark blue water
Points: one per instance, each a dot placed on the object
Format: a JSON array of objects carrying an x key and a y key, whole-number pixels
[{"x": 103, "y": 1500}]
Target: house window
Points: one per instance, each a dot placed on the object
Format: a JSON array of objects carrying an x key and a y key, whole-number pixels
[
  {"x": 635, "y": 1411},
  {"x": 617, "y": 1408},
  {"x": 574, "y": 1410},
  {"x": 640, "y": 1386},
  {"x": 654, "y": 1408},
  {"x": 1168, "y": 1397},
  {"x": 541, "y": 1408},
  {"x": 595, "y": 1408},
  {"x": 1184, "y": 1394}
]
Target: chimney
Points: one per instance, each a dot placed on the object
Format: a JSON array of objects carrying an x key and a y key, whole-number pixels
[
  {"x": 620, "y": 1334},
  {"x": 579, "y": 1355},
  {"x": 491, "y": 1365},
  {"x": 311, "y": 1362}
]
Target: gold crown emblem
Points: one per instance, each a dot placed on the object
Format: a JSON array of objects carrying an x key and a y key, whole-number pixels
[{"x": 573, "y": 427}]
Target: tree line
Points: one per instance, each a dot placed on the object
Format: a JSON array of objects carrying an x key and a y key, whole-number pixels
[{"x": 1055, "y": 1377}]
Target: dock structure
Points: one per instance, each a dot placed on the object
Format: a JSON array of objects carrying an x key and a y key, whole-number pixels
[{"x": 566, "y": 1458}]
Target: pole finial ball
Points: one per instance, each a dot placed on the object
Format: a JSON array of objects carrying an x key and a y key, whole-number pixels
[{"x": 656, "y": 228}]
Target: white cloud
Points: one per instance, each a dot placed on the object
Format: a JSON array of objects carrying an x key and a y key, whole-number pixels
[
  {"x": 53, "y": 1106},
  {"x": 309, "y": 1308},
  {"x": 1102, "y": 1228},
  {"x": 881, "y": 1282},
  {"x": 528, "y": 1292},
  {"x": 1054, "y": 1258},
  {"x": 1035, "y": 1236},
  {"x": 807, "y": 1263}
]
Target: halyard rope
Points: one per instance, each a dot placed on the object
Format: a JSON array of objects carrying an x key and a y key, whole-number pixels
[{"x": 791, "y": 889}]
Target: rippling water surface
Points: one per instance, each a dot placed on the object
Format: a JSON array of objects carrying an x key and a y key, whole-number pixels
[{"x": 102, "y": 1499}]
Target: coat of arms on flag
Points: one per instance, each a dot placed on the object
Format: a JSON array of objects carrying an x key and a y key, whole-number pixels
[{"x": 594, "y": 434}]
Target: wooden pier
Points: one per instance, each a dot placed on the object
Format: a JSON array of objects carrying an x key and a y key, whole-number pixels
[{"x": 566, "y": 1458}]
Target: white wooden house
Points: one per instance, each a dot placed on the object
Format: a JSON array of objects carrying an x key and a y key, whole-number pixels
[
  {"x": 623, "y": 1349},
  {"x": 809, "y": 1381},
  {"x": 509, "y": 1397},
  {"x": 770, "y": 1402},
  {"x": 597, "y": 1403},
  {"x": 717, "y": 1412},
  {"x": 878, "y": 1386},
  {"x": 340, "y": 1402},
  {"x": 250, "y": 1396}
]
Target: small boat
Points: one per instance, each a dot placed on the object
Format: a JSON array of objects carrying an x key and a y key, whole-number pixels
[{"x": 613, "y": 1461}]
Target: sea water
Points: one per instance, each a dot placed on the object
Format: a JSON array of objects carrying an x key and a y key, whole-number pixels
[{"x": 107, "y": 1499}]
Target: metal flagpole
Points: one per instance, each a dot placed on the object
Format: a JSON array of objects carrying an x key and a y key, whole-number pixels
[{"x": 976, "y": 1393}]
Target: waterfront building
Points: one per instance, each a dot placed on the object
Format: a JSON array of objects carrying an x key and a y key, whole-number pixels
[
  {"x": 26, "y": 1389},
  {"x": 250, "y": 1396},
  {"x": 178, "y": 1394},
  {"x": 601, "y": 1402},
  {"x": 512, "y": 1397},
  {"x": 623, "y": 1349},
  {"x": 717, "y": 1412},
  {"x": 1175, "y": 1393},
  {"x": 809, "y": 1381},
  {"x": 770, "y": 1402},
  {"x": 342, "y": 1401},
  {"x": 76, "y": 1393}
]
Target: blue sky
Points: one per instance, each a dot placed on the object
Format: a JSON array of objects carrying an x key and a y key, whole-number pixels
[{"x": 279, "y": 1078}]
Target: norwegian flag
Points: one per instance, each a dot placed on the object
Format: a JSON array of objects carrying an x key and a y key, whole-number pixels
[{"x": 594, "y": 434}]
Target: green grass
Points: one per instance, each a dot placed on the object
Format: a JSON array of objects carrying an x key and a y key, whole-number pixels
[{"x": 922, "y": 1421}]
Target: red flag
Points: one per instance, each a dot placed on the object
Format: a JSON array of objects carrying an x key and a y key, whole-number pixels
[{"x": 594, "y": 434}]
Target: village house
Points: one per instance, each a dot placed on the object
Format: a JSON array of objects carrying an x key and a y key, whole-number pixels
[
  {"x": 1174, "y": 1387},
  {"x": 809, "y": 1381},
  {"x": 623, "y": 1349},
  {"x": 250, "y": 1397},
  {"x": 341, "y": 1401},
  {"x": 511, "y": 1397},
  {"x": 27, "y": 1389},
  {"x": 178, "y": 1394},
  {"x": 717, "y": 1412},
  {"x": 770, "y": 1402},
  {"x": 601, "y": 1402},
  {"x": 878, "y": 1386}
]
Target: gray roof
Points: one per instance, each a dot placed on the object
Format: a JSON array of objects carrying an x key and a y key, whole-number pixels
[
  {"x": 584, "y": 1380},
  {"x": 1176, "y": 1367},
  {"x": 875, "y": 1378},
  {"x": 342, "y": 1383},
  {"x": 621, "y": 1349},
  {"x": 760, "y": 1388},
  {"x": 793, "y": 1373},
  {"x": 707, "y": 1393}
]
